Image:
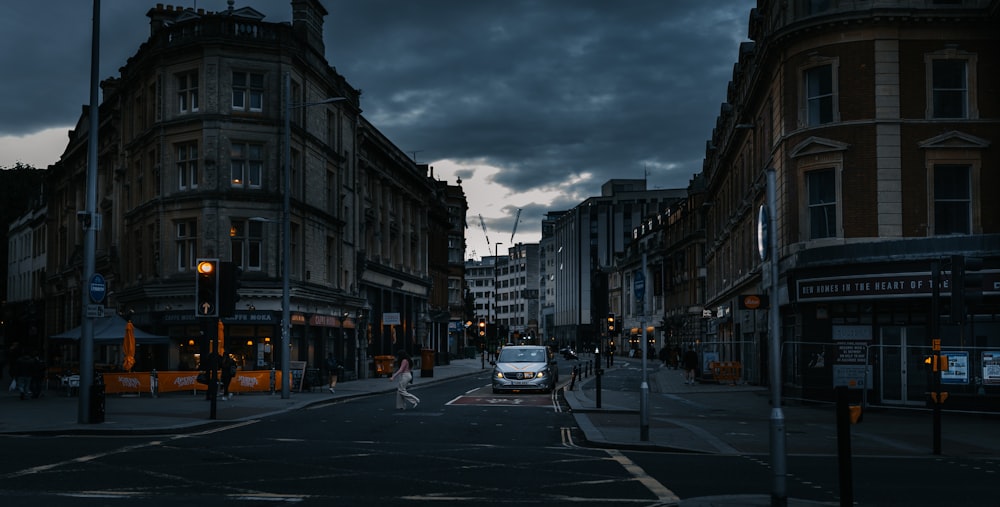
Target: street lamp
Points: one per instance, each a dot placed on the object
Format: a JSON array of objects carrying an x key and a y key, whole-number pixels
[
  {"x": 286, "y": 225},
  {"x": 496, "y": 288}
]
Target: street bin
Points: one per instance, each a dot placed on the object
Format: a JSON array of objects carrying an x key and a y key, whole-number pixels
[
  {"x": 97, "y": 400},
  {"x": 427, "y": 363},
  {"x": 383, "y": 365}
]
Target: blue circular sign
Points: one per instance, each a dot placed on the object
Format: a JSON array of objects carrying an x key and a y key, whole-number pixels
[{"x": 98, "y": 288}]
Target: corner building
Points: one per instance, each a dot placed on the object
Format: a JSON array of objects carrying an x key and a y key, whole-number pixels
[
  {"x": 192, "y": 165},
  {"x": 881, "y": 123}
]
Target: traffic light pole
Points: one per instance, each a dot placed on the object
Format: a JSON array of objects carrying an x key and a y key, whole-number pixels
[{"x": 935, "y": 371}]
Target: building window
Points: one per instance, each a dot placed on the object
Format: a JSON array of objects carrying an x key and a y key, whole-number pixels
[
  {"x": 246, "y": 237},
  {"x": 187, "y": 165},
  {"x": 949, "y": 84},
  {"x": 821, "y": 186},
  {"x": 187, "y": 92},
  {"x": 247, "y": 165},
  {"x": 819, "y": 95},
  {"x": 187, "y": 244},
  {"x": 952, "y": 199},
  {"x": 248, "y": 91}
]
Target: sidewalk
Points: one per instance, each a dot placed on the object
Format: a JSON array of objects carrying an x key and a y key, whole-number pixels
[{"x": 736, "y": 419}]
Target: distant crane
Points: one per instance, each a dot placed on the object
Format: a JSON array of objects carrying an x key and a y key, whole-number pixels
[
  {"x": 483, "y": 224},
  {"x": 517, "y": 219}
]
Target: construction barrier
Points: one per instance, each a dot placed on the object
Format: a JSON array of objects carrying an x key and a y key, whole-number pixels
[{"x": 726, "y": 372}]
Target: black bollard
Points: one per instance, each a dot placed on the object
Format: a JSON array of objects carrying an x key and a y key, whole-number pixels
[{"x": 844, "y": 447}]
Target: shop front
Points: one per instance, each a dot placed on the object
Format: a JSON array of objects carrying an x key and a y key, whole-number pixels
[{"x": 873, "y": 331}]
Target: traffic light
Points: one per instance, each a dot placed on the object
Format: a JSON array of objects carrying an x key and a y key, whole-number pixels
[
  {"x": 206, "y": 288},
  {"x": 229, "y": 288},
  {"x": 482, "y": 327},
  {"x": 611, "y": 324}
]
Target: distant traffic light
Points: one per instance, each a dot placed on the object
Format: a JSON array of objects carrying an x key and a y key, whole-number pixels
[
  {"x": 206, "y": 288},
  {"x": 611, "y": 324},
  {"x": 229, "y": 288},
  {"x": 482, "y": 327}
]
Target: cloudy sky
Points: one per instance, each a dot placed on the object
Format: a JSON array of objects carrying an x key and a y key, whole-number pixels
[{"x": 532, "y": 103}]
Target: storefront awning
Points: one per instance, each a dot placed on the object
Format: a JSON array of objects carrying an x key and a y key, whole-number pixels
[{"x": 111, "y": 330}]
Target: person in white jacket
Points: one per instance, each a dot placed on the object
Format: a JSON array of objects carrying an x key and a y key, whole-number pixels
[{"x": 404, "y": 372}]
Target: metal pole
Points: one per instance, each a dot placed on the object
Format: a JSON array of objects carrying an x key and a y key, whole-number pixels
[
  {"x": 779, "y": 494},
  {"x": 496, "y": 286},
  {"x": 89, "y": 223},
  {"x": 644, "y": 387},
  {"x": 286, "y": 239}
]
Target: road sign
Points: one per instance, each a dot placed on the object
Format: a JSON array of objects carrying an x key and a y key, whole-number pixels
[
  {"x": 639, "y": 285},
  {"x": 95, "y": 311},
  {"x": 98, "y": 288}
]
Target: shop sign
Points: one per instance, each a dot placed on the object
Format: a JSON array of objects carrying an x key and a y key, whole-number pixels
[
  {"x": 753, "y": 302},
  {"x": 881, "y": 285},
  {"x": 324, "y": 321},
  {"x": 867, "y": 286},
  {"x": 853, "y": 333}
]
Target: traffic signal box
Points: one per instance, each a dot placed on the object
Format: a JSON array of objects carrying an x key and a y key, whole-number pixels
[
  {"x": 482, "y": 327},
  {"x": 206, "y": 288},
  {"x": 937, "y": 362},
  {"x": 611, "y": 324},
  {"x": 229, "y": 288}
]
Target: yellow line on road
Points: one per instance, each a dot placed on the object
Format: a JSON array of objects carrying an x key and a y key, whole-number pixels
[{"x": 662, "y": 492}]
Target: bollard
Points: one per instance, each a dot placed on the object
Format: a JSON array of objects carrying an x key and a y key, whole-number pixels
[
  {"x": 844, "y": 448},
  {"x": 572, "y": 379}
]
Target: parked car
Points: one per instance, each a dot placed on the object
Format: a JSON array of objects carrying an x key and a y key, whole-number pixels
[
  {"x": 568, "y": 353},
  {"x": 525, "y": 368}
]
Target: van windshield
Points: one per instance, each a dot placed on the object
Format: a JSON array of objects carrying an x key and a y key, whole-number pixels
[{"x": 521, "y": 356}]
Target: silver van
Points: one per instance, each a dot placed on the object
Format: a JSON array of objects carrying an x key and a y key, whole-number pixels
[{"x": 525, "y": 368}]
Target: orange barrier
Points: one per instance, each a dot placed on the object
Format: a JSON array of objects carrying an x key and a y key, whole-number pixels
[
  {"x": 127, "y": 383},
  {"x": 173, "y": 381},
  {"x": 726, "y": 371},
  {"x": 252, "y": 381},
  {"x": 176, "y": 381}
]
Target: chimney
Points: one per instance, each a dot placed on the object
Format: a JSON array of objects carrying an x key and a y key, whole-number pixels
[{"x": 307, "y": 22}]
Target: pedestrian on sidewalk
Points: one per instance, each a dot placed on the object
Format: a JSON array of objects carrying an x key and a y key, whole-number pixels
[
  {"x": 38, "y": 370},
  {"x": 690, "y": 364},
  {"x": 227, "y": 373},
  {"x": 22, "y": 370},
  {"x": 404, "y": 372},
  {"x": 331, "y": 368}
]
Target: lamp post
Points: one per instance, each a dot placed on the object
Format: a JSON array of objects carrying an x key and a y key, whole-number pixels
[
  {"x": 496, "y": 289},
  {"x": 286, "y": 226}
]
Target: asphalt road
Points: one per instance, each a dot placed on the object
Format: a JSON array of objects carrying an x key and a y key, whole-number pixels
[{"x": 462, "y": 446}]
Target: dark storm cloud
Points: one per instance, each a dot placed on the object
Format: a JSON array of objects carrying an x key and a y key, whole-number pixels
[{"x": 546, "y": 90}]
